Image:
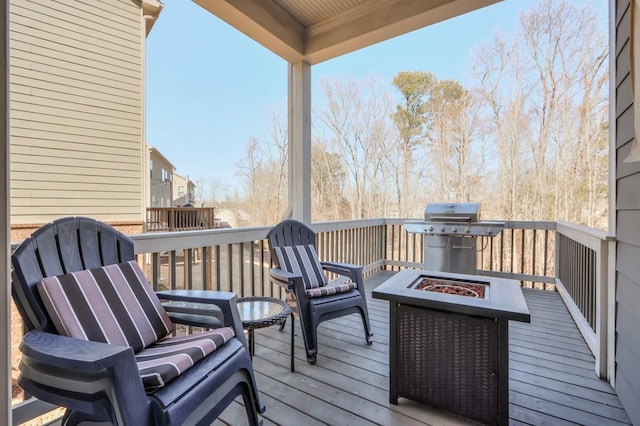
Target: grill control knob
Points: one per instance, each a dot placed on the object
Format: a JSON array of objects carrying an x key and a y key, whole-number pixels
[
  {"x": 489, "y": 231},
  {"x": 430, "y": 228},
  {"x": 468, "y": 230},
  {"x": 443, "y": 229},
  {"x": 455, "y": 229}
]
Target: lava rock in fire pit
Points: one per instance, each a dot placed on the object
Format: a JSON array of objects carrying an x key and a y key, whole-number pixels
[{"x": 452, "y": 287}]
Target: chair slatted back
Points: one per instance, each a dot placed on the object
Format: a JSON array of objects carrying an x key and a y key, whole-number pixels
[
  {"x": 66, "y": 245},
  {"x": 289, "y": 233}
]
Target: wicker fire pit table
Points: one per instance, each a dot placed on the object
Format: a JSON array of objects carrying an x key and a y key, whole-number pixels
[{"x": 449, "y": 341}]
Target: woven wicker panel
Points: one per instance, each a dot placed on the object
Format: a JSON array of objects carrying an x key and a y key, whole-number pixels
[{"x": 449, "y": 361}]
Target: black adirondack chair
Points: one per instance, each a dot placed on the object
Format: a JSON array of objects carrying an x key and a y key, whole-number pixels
[
  {"x": 292, "y": 246},
  {"x": 99, "y": 381}
]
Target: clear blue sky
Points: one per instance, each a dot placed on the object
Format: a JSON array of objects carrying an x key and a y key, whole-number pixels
[{"x": 209, "y": 87}]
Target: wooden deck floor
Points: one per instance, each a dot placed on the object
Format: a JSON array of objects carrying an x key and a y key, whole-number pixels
[{"x": 552, "y": 379}]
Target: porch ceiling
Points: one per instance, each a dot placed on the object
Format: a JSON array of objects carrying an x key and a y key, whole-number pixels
[{"x": 317, "y": 30}]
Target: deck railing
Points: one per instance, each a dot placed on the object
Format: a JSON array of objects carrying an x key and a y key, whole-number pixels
[
  {"x": 538, "y": 254},
  {"x": 583, "y": 280},
  {"x": 523, "y": 251},
  {"x": 544, "y": 255},
  {"x": 238, "y": 260},
  {"x": 180, "y": 218},
  {"x": 548, "y": 255}
]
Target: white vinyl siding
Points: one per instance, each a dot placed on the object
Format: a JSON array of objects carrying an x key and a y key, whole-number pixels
[{"x": 76, "y": 110}]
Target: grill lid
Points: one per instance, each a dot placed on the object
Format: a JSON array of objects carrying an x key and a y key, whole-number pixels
[{"x": 452, "y": 212}]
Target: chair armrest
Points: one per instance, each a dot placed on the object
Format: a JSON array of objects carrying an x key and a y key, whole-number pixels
[
  {"x": 283, "y": 278},
  {"x": 289, "y": 280},
  {"x": 225, "y": 300},
  {"x": 67, "y": 352},
  {"x": 83, "y": 375},
  {"x": 206, "y": 315},
  {"x": 347, "y": 269}
]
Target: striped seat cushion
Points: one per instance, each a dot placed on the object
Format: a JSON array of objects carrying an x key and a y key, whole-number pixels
[
  {"x": 112, "y": 304},
  {"x": 330, "y": 289},
  {"x": 170, "y": 357},
  {"x": 302, "y": 260}
]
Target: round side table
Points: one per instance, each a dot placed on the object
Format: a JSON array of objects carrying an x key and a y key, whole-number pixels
[{"x": 261, "y": 311}]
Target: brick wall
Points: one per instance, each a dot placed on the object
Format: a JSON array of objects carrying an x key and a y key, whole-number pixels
[{"x": 20, "y": 232}]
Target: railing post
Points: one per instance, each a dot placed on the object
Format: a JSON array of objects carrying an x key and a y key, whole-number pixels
[
  {"x": 155, "y": 270},
  {"x": 602, "y": 308},
  {"x": 557, "y": 264},
  {"x": 611, "y": 313}
]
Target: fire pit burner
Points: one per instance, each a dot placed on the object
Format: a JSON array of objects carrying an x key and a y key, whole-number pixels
[{"x": 457, "y": 288}]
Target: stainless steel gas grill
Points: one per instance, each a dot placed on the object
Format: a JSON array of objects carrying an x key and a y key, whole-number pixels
[{"x": 451, "y": 231}]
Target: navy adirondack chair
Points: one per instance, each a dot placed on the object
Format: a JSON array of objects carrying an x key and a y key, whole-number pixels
[
  {"x": 292, "y": 246},
  {"x": 99, "y": 341}
]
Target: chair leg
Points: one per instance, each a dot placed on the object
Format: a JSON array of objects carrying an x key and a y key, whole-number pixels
[
  {"x": 309, "y": 333},
  {"x": 293, "y": 332},
  {"x": 252, "y": 413},
  {"x": 292, "y": 343},
  {"x": 252, "y": 347},
  {"x": 367, "y": 327}
]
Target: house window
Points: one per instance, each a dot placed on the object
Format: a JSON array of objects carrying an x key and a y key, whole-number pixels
[
  {"x": 150, "y": 168},
  {"x": 166, "y": 177},
  {"x": 180, "y": 191}
]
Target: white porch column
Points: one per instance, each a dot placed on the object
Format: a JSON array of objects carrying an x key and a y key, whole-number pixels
[
  {"x": 613, "y": 167},
  {"x": 299, "y": 161},
  {"x": 5, "y": 223}
]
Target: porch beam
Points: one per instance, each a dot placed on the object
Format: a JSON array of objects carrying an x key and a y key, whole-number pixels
[
  {"x": 5, "y": 222},
  {"x": 264, "y": 21},
  {"x": 376, "y": 21},
  {"x": 299, "y": 161}
]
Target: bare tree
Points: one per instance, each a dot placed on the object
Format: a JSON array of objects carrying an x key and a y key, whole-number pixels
[
  {"x": 327, "y": 181},
  {"x": 357, "y": 124},
  {"x": 250, "y": 168},
  {"x": 530, "y": 135},
  {"x": 410, "y": 119},
  {"x": 454, "y": 147},
  {"x": 545, "y": 87},
  {"x": 279, "y": 157},
  {"x": 561, "y": 40},
  {"x": 503, "y": 87}
]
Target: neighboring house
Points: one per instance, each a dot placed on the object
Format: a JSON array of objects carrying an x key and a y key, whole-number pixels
[
  {"x": 183, "y": 191},
  {"x": 160, "y": 179},
  {"x": 77, "y": 111}
]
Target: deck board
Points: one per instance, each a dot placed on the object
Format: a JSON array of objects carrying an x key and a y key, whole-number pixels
[{"x": 552, "y": 378}]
